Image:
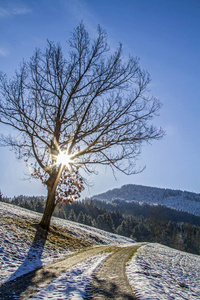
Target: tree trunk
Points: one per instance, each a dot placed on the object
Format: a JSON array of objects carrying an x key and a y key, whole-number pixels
[
  {"x": 51, "y": 183},
  {"x": 49, "y": 206}
]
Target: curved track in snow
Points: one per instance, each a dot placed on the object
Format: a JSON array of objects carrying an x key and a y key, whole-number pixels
[{"x": 110, "y": 282}]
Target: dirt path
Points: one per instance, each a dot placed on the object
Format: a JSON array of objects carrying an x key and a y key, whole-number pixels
[{"x": 110, "y": 282}]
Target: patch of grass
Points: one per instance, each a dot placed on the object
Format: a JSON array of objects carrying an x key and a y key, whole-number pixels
[
  {"x": 133, "y": 253},
  {"x": 182, "y": 285},
  {"x": 57, "y": 238},
  {"x": 65, "y": 240}
]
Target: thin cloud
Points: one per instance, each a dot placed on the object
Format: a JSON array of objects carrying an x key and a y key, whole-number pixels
[
  {"x": 3, "y": 52},
  {"x": 9, "y": 12}
]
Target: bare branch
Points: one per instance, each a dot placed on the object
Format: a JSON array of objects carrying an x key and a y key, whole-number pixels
[{"x": 94, "y": 104}]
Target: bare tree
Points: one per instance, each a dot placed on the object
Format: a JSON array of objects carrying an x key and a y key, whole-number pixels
[{"x": 76, "y": 112}]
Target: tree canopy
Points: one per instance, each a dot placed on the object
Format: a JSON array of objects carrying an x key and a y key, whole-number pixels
[{"x": 78, "y": 110}]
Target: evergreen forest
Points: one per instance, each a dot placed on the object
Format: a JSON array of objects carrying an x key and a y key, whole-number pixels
[{"x": 142, "y": 223}]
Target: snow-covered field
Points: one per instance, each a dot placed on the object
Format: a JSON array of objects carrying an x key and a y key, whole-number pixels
[
  {"x": 160, "y": 272},
  {"x": 16, "y": 258},
  {"x": 73, "y": 283},
  {"x": 154, "y": 272}
]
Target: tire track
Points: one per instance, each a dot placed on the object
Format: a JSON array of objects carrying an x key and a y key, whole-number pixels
[{"x": 111, "y": 282}]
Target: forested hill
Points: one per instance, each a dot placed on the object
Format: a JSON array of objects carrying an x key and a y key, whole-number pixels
[
  {"x": 142, "y": 223},
  {"x": 179, "y": 200}
]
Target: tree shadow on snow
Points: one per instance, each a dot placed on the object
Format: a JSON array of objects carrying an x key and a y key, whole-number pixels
[
  {"x": 23, "y": 277},
  {"x": 104, "y": 289}
]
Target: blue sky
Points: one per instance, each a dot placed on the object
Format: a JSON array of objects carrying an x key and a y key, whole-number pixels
[{"x": 165, "y": 34}]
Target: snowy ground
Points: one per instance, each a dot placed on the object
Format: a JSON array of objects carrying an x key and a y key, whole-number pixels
[
  {"x": 155, "y": 271},
  {"x": 159, "y": 272},
  {"x": 72, "y": 284},
  {"x": 16, "y": 258}
]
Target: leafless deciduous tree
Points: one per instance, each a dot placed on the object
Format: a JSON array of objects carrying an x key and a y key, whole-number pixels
[{"x": 73, "y": 113}]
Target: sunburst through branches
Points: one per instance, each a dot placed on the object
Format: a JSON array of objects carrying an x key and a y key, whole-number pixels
[
  {"x": 69, "y": 183},
  {"x": 64, "y": 159}
]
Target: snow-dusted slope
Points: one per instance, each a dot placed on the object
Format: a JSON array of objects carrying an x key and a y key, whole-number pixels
[
  {"x": 179, "y": 200},
  {"x": 72, "y": 284},
  {"x": 159, "y": 272},
  {"x": 15, "y": 255},
  {"x": 155, "y": 271}
]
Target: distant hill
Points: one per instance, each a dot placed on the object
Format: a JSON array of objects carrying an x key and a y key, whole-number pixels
[
  {"x": 139, "y": 221},
  {"x": 176, "y": 199}
]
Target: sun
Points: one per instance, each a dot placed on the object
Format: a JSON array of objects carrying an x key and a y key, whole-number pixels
[{"x": 64, "y": 159}]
